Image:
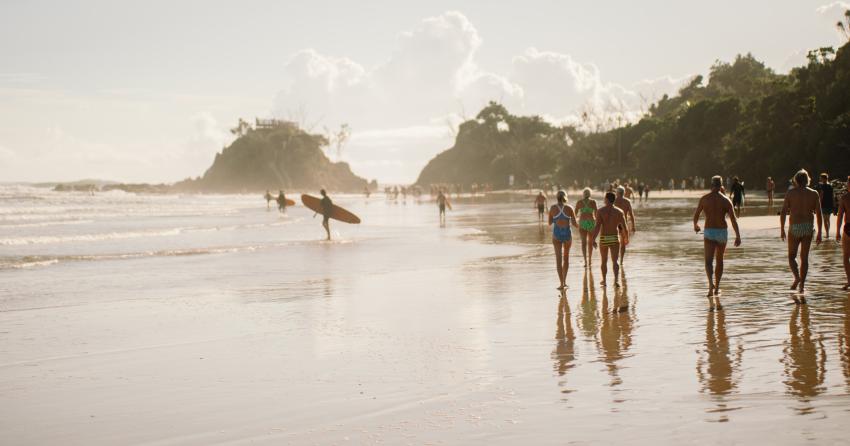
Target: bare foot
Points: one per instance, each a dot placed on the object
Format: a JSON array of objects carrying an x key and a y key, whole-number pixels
[
  {"x": 603, "y": 283},
  {"x": 710, "y": 291},
  {"x": 616, "y": 284},
  {"x": 802, "y": 288},
  {"x": 717, "y": 291},
  {"x": 796, "y": 282},
  {"x": 561, "y": 287},
  {"x": 718, "y": 306}
]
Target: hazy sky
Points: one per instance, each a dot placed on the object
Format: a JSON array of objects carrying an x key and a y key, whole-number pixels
[{"x": 145, "y": 91}]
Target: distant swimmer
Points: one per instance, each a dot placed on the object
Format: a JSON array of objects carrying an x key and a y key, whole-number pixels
[
  {"x": 802, "y": 204},
  {"x": 770, "y": 187},
  {"x": 281, "y": 201},
  {"x": 586, "y": 208},
  {"x": 610, "y": 222},
  {"x": 442, "y": 203},
  {"x": 827, "y": 200},
  {"x": 561, "y": 216},
  {"x": 540, "y": 202},
  {"x": 738, "y": 194},
  {"x": 268, "y": 196},
  {"x": 625, "y": 205},
  {"x": 716, "y": 207},
  {"x": 327, "y": 210},
  {"x": 844, "y": 214}
]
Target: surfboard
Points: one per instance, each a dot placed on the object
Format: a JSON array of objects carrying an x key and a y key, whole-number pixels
[
  {"x": 290, "y": 202},
  {"x": 338, "y": 213}
]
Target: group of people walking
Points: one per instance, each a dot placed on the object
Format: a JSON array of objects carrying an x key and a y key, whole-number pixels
[{"x": 610, "y": 226}]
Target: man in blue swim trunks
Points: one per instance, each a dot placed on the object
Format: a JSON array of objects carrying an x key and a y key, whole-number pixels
[
  {"x": 716, "y": 207},
  {"x": 802, "y": 204}
]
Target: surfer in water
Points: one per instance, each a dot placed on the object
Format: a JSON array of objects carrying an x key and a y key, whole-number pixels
[
  {"x": 716, "y": 234},
  {"x": 281, "y": 202},
  {"x": 540, "y": 203},
  {"x": 611, "y": 223},
  {"x": 561, "y": 216},
  {"x": 802, "y": 204},
  {"x": 327, "y": 210}
]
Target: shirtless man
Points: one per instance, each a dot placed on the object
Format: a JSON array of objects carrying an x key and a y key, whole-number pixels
[
  {"x": 327, "y": 210},
  {"x": 442, "y": 202},
  {"x": 802, "y": 204},
  {"x": 716, "y": 207},
  {"x": 610, "y": 222},
  {"x": 770, "y": 187},
  {"x": 625, "y": 205},
  {"x": 540, "y": 203},
  {"x": 629, "y": 192},
  {"x": 844, "y": 239}
]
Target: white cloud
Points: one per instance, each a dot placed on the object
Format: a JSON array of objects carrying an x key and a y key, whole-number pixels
[{"x": 406, "y": 107}]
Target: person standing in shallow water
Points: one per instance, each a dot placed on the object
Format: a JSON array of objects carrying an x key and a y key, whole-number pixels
[
  {"x": 738, "y": 194},
  {"x": 561, "y": 216},
  {"x": 442, "y": 202},
  {"x": 610, "y": 222},
  {"x": 770, "y": 187},
  {"x": 586, "y": 208},
  {"x": 803, "y": 205},
  {"x": 327, "y": 210},
  {"x": 540, "y": 203},
  {"x": 842, "y": 234},
  {"x": 827, "y": 200},
  {"x": 716, "y": 207}
]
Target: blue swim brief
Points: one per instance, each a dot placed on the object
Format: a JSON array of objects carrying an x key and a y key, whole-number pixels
[{"x": 717, "y": 235}]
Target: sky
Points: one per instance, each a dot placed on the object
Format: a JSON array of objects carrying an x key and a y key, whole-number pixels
[{"x": 146, "y": 91}]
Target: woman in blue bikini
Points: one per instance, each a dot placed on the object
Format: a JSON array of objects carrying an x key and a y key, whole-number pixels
[{"x": 561, "y": 217}]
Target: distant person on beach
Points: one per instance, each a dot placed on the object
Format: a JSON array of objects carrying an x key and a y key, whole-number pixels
[
  {"x": 625, "y": 205},
  {"x": 540, "y": 202},
  {"x": 327, "y": 210},
  {"x": 629, "y": 192},
  {"x": 646, "y": 192},
  {"x": 366, "y": 191},
  {"x": 442, "y": 202},
  {"x": 770, "y": 187},
  {"x": 803, "y": 205},
  {"x": 844, "y": 238},
  {"x": 611, "y": 223},
  {"x": 737, "y": 193},
  {"x": 827, "y": 200},
  {"x": 281, "y": 201},
  {"x": 561, "y": 216},
  {"x": 586, "y": 208},
  {"x": 641, "y": 188},
  {"x": 716, "y": 207},
  {"x": 268, "y": 196}
]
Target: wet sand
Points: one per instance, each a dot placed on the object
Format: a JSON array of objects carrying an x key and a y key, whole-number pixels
[{"x": 404, "y": 332}]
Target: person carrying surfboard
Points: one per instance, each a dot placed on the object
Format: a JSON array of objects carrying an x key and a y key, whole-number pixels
[{"x": 327, "y": 210}]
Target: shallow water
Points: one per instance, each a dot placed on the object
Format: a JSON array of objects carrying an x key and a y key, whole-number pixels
[{"x": 207, "y": 319}]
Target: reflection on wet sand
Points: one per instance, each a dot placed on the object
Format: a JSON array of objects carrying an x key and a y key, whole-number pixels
[
  {"x": 615, "y": 333},
  {"x": 565, "y": 352},
  {"x": 804, "y": 359},
  {"x": 718, "y": 367},
  {"x": 844, "y": 345},
  {"x": 589, "y": 321}
]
